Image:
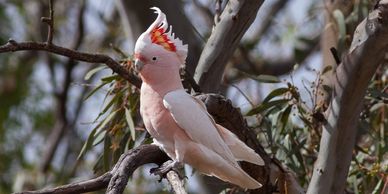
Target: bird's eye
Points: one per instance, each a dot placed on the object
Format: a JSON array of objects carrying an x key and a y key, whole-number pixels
[{"x": 154, "y": 58}]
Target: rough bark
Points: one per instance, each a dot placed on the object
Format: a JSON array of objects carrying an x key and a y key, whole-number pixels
[{"x": 368, "y": 48}]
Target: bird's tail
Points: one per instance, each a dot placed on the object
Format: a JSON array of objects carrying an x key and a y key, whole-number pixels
[
  {"x": 212, "y": 164},
  {"x": 238, "y": 148}
]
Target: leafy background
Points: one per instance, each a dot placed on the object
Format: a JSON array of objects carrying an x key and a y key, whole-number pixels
[{"x": 94, "y": 113}]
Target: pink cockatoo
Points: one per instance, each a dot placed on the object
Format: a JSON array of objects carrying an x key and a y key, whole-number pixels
[{"x": 178, "y": 122}]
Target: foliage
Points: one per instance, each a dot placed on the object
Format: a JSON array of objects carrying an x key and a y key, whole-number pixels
[{"x": 289, "y": 123}]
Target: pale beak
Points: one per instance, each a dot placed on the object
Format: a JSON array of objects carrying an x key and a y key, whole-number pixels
[{"x": 138, "y": 65}]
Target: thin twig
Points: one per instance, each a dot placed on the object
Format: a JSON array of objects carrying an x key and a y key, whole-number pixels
[
  {"x": 50, "y": 22},
  {"x": 13, "y": 46}
]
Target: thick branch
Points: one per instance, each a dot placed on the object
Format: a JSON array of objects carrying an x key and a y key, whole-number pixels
[
  {"x": 129, "y": 162},
  {"x": 369, "y": 45},
  {"x": 235, "y": 20},
  {"x": 117, "y": 178},
  {"x": 13, "y": 46}
]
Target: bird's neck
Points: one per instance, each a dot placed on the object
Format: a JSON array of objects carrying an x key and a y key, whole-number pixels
[{"x": 162, "y": 81}]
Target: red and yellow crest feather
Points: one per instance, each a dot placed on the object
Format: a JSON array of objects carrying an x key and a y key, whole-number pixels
[{"x": 159, "y": 35}]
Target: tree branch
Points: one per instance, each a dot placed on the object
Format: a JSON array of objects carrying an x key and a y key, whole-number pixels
[
  {"x": 272, "y": 175},
  {"x": 235, "y": 20},
  {"x": 367, "y": 51},
  {"x": 117, "y": 178},
  {"x": 13, "y": 46},
  {"x": 176, "y": 183},
  {"x": 129, "y": 162},
  {"x": 62, "y": 122}
]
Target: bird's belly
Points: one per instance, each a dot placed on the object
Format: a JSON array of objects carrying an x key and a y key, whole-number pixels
[{"x": 163, "y": 128}]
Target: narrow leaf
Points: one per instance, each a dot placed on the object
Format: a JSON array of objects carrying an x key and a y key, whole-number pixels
[
  {"x": 263, "y": 78},
  {"x": 110, "y": 78},
  {"x": 93, "y": 71},
  {"x": 106, "y": 120},
  {"x": 95, "y": 90},
  {"x": 87, "y": 144},
  {"x": 130, "y": 123},
  {"x": 274, "y": 93},
  {"x": 339, "y": 16},
  {"x": 264, "y": 106},
  {"x": 285, "y": 116}
]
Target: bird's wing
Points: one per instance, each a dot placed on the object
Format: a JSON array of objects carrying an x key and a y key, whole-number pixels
[
  {"x": 195, "y": 121},
  {"x": 238, "y": 148}
]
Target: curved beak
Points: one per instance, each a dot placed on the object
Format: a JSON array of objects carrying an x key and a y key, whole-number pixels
[{"x": 138, "y": 65}]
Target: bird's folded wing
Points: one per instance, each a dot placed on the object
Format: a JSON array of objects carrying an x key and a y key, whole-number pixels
[
  {"x": 194, "y": 120},
  {"x": 238, "y": 148}
]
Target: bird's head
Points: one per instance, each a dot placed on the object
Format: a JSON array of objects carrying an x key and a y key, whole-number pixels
[{"x": 158, "y": 48}]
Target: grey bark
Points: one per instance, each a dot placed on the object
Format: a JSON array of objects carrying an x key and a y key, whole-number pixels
[
  {"x": 368, "y": 48},
  {"x": 235, "y": 19}
]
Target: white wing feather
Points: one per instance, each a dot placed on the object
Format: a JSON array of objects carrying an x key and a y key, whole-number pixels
[{"x": 192, "y": 118}]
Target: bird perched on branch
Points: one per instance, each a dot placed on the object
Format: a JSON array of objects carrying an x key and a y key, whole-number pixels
[{"x": 178, "y": 122}]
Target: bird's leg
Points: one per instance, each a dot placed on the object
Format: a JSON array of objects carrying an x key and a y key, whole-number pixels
[{"x": 163, "y": 169}]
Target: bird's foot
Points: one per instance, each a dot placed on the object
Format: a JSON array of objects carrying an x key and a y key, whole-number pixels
[{"x": 163, "y": 169}]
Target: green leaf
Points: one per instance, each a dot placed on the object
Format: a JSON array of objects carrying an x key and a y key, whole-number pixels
[
  {"x": 93, "y": 71},
  {"x": 95, "y": 90},
  {"x": 110, "y": 78},
  {"x": 110, "y": 103},
  {"x": 340, "y": 18},
  {"x": 264, "y": 106},
  {"x": 263, "y": 78},
  {"x": 87, "y": 144},
  {"x": 285, "y": 116},
  {"x": 266, "y": 79},
  {"x": 106, "y": 120},
  {"x": 274, "y": 93},
  {"x": 99, "y": 137},
  {"x": 377, "y": 187},
  {"x": 130, "y": 123}
]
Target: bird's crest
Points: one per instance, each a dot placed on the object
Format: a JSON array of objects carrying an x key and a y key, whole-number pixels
[{"x": 159, "y": 35}]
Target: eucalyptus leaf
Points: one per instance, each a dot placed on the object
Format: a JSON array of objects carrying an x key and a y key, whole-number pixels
[
  {"x": 93, "y": 71},
  {"x": 285, "y": 116},
  {"x": 95, "y": 90},
  {"x": 274, "y": 93},
  {"x": 264, "y": 106},
  {"x": 130, "y": 123},
  {"x": 88, "y": 143},
  {"x": 263, "y": 78}
]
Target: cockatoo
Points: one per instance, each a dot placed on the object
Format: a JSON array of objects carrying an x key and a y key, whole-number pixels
[{"x": 179, "y": 123}]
